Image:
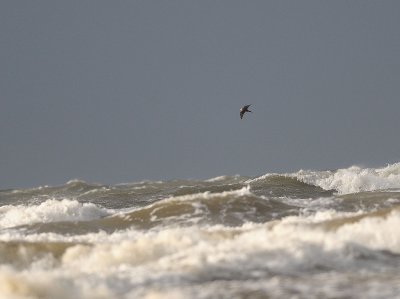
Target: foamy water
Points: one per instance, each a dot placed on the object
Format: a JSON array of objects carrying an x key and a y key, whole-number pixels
[
  {"x": 354, "y": 179},
  {"x": 309, "y": 234}
]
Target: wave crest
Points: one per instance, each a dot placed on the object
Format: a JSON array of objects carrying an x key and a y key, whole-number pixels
[
  {"x": 353, "y": 179},
  {"x": 51, "y": 210}
]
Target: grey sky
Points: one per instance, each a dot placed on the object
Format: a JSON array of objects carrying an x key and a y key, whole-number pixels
[{"x": 120, "y": 91}]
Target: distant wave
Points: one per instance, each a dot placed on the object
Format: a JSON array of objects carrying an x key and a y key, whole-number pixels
[
  {"x": 354, "y": 179},
  {"x": 346, "y": 180}
]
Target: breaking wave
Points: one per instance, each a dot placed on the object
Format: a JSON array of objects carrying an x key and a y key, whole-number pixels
[
  {"x": 347, "y": 180},
  {"x": 206, "y": 258},
  {"x": 49, "y": 211},
  {"x": 308, "y": 234}
]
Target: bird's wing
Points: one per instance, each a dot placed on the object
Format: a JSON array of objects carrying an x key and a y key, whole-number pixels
[
  {"x": 241, "y": 114},
  {"x": 246, "y": 107}
]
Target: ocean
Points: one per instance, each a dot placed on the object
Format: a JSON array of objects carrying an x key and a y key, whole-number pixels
[{"x": 307, "y": 234}]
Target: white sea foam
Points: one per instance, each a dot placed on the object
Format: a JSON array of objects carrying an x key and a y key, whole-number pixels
[
  {"x": 217, "y": 179},
  {"x": 347, "y": 180},
  {"x": 244, "y": 191},
  {"x": 275, "y": 259},
  {"x": 75, "y": 181},
  {"x": 353, "y": 179},
  {"x": 123, "y": 264},
  {"x": 51, "y": 210},
  {"x": 221, "y": 178},
  {"x": 293, "y": 233}
]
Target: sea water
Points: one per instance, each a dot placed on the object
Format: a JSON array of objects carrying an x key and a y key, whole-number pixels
[{"x": 308, "y": 234}]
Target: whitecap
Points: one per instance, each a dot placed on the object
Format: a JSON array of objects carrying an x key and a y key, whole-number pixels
[{"x": 51, "y": 210}]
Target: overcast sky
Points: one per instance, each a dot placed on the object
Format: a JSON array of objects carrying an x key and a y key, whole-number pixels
[{"x": 121, "y": 91}]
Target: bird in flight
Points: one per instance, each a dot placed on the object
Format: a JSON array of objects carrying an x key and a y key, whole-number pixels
[{"x": 243, "y": 110}]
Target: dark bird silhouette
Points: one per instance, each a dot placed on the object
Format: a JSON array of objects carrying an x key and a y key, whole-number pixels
[{"x": 243, "y": 110}]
